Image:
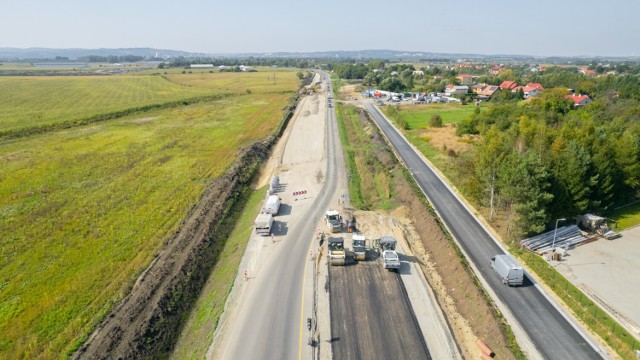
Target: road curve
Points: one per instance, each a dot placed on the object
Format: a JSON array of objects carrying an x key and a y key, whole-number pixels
[{"x": 553, "y": 336}]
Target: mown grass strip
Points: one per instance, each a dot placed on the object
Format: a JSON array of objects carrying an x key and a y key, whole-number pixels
[
  {"x": 355, "y": 190},
  {"x": 626, "y": 216}
]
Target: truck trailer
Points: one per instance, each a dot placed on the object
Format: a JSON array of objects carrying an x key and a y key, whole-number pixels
[
  {"x": 272, "y": 205},
  {"x": 264, "y": 224},
  {"x": 510, "y": 272}
]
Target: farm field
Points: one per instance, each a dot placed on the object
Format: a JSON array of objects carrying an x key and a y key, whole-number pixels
[
  {"x": 83, "y": 210},
  {"x": 32, "y": 101}
]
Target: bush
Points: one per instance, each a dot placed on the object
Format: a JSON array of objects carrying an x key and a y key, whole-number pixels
[{"x": 436, "y": 121}]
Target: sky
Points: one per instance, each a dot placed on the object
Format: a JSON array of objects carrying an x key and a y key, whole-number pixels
[{"x": 538, "y": 28}]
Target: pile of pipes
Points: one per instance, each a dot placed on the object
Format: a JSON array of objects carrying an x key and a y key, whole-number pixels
[{"x": 566, "y": 237}]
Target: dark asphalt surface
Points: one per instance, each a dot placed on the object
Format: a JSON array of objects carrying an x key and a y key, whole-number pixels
[
  {"x": 371, "y": 316},
  {"x": 550, "y": 332}
]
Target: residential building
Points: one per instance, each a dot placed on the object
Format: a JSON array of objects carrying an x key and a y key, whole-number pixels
[
  {"x": 529, "y": 90},
  {"x": 466, "y": 79},
  {"x": 508, "y": 85},
  {"x": 456, "y": 89},
  {"x": 579, "y": 100}
]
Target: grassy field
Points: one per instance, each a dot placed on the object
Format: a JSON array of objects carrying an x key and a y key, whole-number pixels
[
  {"x": 418, "y": 116},
  {"x": 197, "y": 333},
  {"x": 32, "y": 101},
  {"x": 364, "y": 156},
  {"x": 83, "y": 210},
  {"x": 626, "y": 216}
]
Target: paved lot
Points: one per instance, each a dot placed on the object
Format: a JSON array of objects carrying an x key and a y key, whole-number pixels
[
  {"x": 371, "y": 317},
  {"x": 608, "y": 271}
]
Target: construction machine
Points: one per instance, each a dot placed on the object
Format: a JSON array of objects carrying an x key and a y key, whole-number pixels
[
  {"x": 358, "y": 243},
  {"x": 334, "y": 223},
  {"x": 386, "y": 247},
  {"x": 337, "y": 254}
]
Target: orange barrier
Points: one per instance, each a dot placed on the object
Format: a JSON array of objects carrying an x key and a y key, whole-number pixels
[{"x": 485, "y": 349}]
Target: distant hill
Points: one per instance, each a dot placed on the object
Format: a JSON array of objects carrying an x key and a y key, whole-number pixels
[
  {"x": 47, "y": 53},
  {"x": 8, "y": 54}
]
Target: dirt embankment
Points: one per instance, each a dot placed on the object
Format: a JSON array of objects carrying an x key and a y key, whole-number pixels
[
  {"x": 469, "y": 313},
  {"x": 147, "y": 322}
]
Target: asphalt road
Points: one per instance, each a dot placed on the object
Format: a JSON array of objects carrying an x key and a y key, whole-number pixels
[
  {"x": 269, "y": 323},
  {"x": 371, "y": 316},
  {"x": 553, "y": 336}
]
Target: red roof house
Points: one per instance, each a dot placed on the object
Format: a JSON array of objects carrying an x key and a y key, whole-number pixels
[
  {"x": 508, "y": 85},
  {"x": 579, "y": 100}
]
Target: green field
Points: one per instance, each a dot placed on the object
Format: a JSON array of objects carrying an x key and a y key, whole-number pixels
[
  {"x": 32, "y": 101},
  {"x": 625, "y": 217},
  {"x": 418, "y": 116},
  {"x": 84, "y": 210}
]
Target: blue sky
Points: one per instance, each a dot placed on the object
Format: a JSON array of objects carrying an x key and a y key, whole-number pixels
[{"x": 541, "y": 27}]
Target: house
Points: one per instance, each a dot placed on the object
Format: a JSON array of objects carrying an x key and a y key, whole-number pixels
[
  {"x": 535, "y": 86},
  {"x": 201, "y": 66},
  {"x": 579, "y": 100},
  {"x": 394, "y": 73},
  {"x": 418, "y": 73},
  {"x": 478, "y": 87},
  {"x": 487, "y": 91},
  {"x": 529, "y": 90},
  {"x": 508, "y": 85},
  {"x": 466, "y": 79},
  {"x": 456, "y": 89}
]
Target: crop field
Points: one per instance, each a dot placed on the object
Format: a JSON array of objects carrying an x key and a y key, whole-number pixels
[
  {"x": 83, "y": 210},
  {"x": 32, "y": 101}
]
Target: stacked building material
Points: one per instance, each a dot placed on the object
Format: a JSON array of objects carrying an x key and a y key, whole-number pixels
[{"x": 567, "y": 237}]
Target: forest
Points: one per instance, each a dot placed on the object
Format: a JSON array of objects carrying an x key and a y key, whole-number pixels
[{"x": 543, "y": 159}]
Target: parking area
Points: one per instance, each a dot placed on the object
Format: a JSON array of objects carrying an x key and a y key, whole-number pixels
[{"x": 607, "y": 270}]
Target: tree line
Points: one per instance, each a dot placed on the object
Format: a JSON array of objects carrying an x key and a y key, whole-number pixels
[{"x": 542, "y": 159}]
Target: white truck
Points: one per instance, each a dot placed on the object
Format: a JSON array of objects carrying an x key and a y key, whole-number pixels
[
  {"x": 272, "y": 205},
  {"x": 264, "y": 224},
  {"x": 511, "y": 273}
]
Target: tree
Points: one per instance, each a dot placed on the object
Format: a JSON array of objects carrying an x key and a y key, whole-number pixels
[
  {"x": 392, "y": 84},
  {"x": 300, "y": 75},
  {"x": 488, "y": 158},
  {"x": 436, "y": 121},
  {"x": 576, "y": 178}
]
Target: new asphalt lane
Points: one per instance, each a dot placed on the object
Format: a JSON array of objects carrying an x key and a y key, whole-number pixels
[{"x": 553, "y": 336}]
